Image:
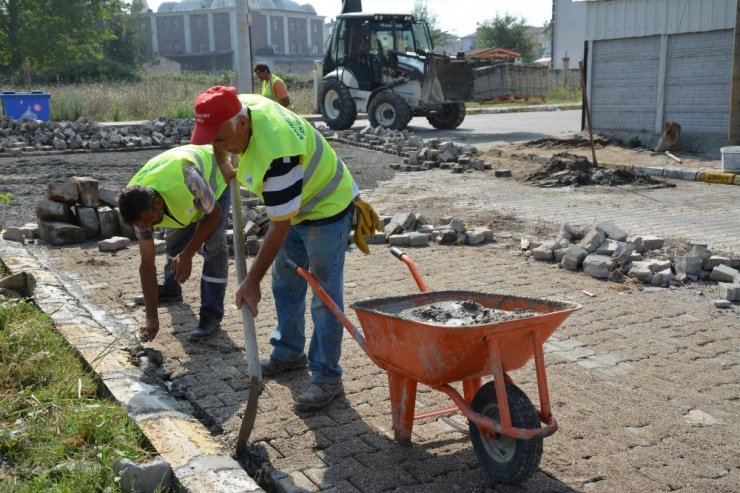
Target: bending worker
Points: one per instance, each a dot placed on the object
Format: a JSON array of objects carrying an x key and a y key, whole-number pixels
[
  {"x": 309, "y": 195},
  {"x": 273, "y": 86},
  {"x": 182, "y": 190}
]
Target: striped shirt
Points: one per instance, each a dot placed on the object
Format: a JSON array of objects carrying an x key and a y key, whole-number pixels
[
  {"x": 204, "y": 198},
  {"x": 282, "y": 187}
]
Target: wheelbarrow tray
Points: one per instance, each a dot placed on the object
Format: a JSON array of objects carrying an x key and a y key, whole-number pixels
[{"x": 437, "y": 354}]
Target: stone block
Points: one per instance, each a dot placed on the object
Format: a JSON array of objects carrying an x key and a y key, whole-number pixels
[
  {"x": 88, "y": 188},
  {"x": 59, "y": 233},
  {"x": 113, "y": 244},
  {"x": 608, "y": 247},
  {"x": 445, "y": 236},
  {"x": 487, "y": 232},
  {"x": 50, "y": 210},
  {"x": 87, "y": 218},
  {"x": 457, "y": 226},
  {"x": 30, "y": 230},
  {"x": 160, "y": 245},
  {"x": 12, "y": 233},
  {"x": 108, "y": 197},
  {"x": 573, "y": 257},
  {"x": 545, "y": 251},
  {"x": 724, "y": 273},
  {"x": 652, "y": 242},
  {"x": 378, "y": 239},
  {"x": 109, "y": 225},
  {"x": 688, "y": 266},
  {"x": 64, "y": 192},
  {"x": 597, "y": 266},
  {"x": 399, "y": 240},
  {"x": 700, "y": 251},
  {"x": 611, "y": 230},
  {"x": 641, "y": 271},
  {"x": 475, "y": 237},
  {"x": 729, "y": 291},
  {"x": 593, "y": 239},
  {"x": 417, "y": 239},
  {"x": 662, "y": 278},
  {"x": 716, "y": 260}
]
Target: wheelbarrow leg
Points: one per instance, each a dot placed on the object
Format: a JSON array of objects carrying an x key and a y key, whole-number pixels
[
  {"x": 470, "y": 387},
  {"x": 403, "y": 400}
]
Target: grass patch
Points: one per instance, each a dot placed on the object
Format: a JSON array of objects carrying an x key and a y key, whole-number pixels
[{"x": 56, "y": 433}]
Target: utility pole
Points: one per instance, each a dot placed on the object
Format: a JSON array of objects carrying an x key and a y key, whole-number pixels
[
  {"x": 733, "y": 137},
  {"x": 244, "y": 49}
]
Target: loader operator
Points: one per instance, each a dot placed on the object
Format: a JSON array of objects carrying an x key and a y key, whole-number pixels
[
  {"x": 273, "y": 86},
  {"x": 310, "y": 196},
  {"x": 184, "y": 191}
]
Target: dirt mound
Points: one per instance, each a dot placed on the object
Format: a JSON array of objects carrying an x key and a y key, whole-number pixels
[
  {"x": 575, "y": 141},
  {"x": 570, "y": 170}
]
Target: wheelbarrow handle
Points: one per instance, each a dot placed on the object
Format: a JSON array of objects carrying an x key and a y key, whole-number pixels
[{"x": 400, "y": 255}]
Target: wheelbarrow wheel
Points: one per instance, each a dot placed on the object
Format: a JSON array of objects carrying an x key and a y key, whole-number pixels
[{"x": 506, "y": 459}]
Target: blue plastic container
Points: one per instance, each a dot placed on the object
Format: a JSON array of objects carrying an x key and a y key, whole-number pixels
[{"x": 29, "y": 105}]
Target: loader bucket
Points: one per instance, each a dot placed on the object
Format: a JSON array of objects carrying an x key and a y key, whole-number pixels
[{"x": 447, "y": 80}]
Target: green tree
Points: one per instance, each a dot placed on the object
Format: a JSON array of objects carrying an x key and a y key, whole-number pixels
[
  {"x": 40, "y": 34},
  {"x": 421, "y": 11},
  {"x": 506, "y": 32},
  {"x": 126, "y": 44}
]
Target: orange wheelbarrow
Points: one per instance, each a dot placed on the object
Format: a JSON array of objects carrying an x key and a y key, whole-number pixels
[{"x": 505, "y": 427}]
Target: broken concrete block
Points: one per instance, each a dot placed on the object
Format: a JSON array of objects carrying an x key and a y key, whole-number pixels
[
  {"x": 573, "y": 257},
  {"x": 700, "y": 251},
  {"x": 608, "y": 247},
  {"x": 487, "y": 232},
  {"x": 445, "y": 236},
  {"x": 611, "y": 230},
  {"x": 150, "y": 477},
  {"x": 251, "y": 228},
  {"x": 65, "y": 192},
  {"x": 88, "y": 188},
  {"x": 597, "y": 266},
  {"x": 406, "y": 220},
  {"x": 659, "y": 265},
  {"x": 558, "y": 254},
  {"x": 378, "y": 239},
  {"x": 59, "y": 233},
  {"x": 545, "y": 251},
  {"x": 87, "y": 218},
  {"x": 113, "y": 244},
  {"x": 723, "y": 273},
  {"x": 14, "y": 234},
  {"x": 729, "y": 291},
  {"x": 109, "y": 225},
  {"x": 457, "y": 225},
  {"x": 54, "y": 211},
  {"x": 593, "y": 239}
]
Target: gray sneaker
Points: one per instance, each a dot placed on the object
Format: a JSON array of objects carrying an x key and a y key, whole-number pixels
[
  {"x": 271, "y": 366},
  {"x": 208, "y": 326},
  {"x": 318, "y": 396}
]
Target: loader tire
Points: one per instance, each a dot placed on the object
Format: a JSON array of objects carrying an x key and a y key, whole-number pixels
[
  {"x": 448, "y": 117},
  {"x": 338, "y": 108},
  {"x": 389, "y": 110}
]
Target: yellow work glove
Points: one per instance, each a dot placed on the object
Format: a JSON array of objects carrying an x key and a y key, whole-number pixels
[{"x": 366, "y": 222}]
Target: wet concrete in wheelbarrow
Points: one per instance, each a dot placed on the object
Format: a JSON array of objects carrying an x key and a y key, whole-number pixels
[{"x": 461, "y": 314}]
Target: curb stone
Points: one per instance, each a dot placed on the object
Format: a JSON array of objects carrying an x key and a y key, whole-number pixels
[{"x": 199, "y": 463}]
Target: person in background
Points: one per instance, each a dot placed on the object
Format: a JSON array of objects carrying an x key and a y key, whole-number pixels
[
  {"x": 273, "y": 86},
  {"x": 184, "y": 191}
]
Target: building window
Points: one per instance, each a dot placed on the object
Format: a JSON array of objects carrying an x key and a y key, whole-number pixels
[
  {"x": 202, "y": 46},
  {"x": 199, "y": 22},
  {"x": 315, "y": 28},
  {"x": 177, "y": 46},
  {"x": 173, "y": 24},
  {"x": 167, "y": 47},
  {"x": 274, "y": 25},
  {"x": 293, "y": 47},
  {"x": 222, "y": 20}
]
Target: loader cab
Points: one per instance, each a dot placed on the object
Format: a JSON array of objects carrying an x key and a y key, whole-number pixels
[{"x": 369, "y": 45}]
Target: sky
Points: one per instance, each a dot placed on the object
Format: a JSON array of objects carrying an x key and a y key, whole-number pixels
[{"x": 458, "y": 17}]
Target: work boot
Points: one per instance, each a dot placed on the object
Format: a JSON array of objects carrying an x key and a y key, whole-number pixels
[
  {"x": 163, "y": 296},
  {"x": 318, "y": 396},
  {"x": 271, "y": 366},
  {"x": 208, "y": 327}
]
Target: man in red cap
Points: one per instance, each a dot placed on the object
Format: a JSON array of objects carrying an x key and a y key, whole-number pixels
[{"x": 309, "y": 195}]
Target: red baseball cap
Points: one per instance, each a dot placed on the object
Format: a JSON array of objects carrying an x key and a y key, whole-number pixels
[{"x": 212, "y": 108}]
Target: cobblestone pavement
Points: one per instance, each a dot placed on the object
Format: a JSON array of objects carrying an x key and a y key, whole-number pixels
[{"x": 643, "y": 382}]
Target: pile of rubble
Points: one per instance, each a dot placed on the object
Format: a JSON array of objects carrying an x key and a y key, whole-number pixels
[
  {"x": 19, "y": 136},
  {"x": 418, "y": 154},
  {"x": 604, "y": 251},
  {"x": 570, "y": 170}
]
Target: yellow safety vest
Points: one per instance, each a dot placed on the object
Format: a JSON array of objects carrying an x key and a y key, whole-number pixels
[
  {"x": 163, "y": 174},
  {"x": 328, "y": 187},
  {"x": 267, "y": 87}
]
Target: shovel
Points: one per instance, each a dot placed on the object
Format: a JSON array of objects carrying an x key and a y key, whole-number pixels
[{"x": 250, "y": 336}]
